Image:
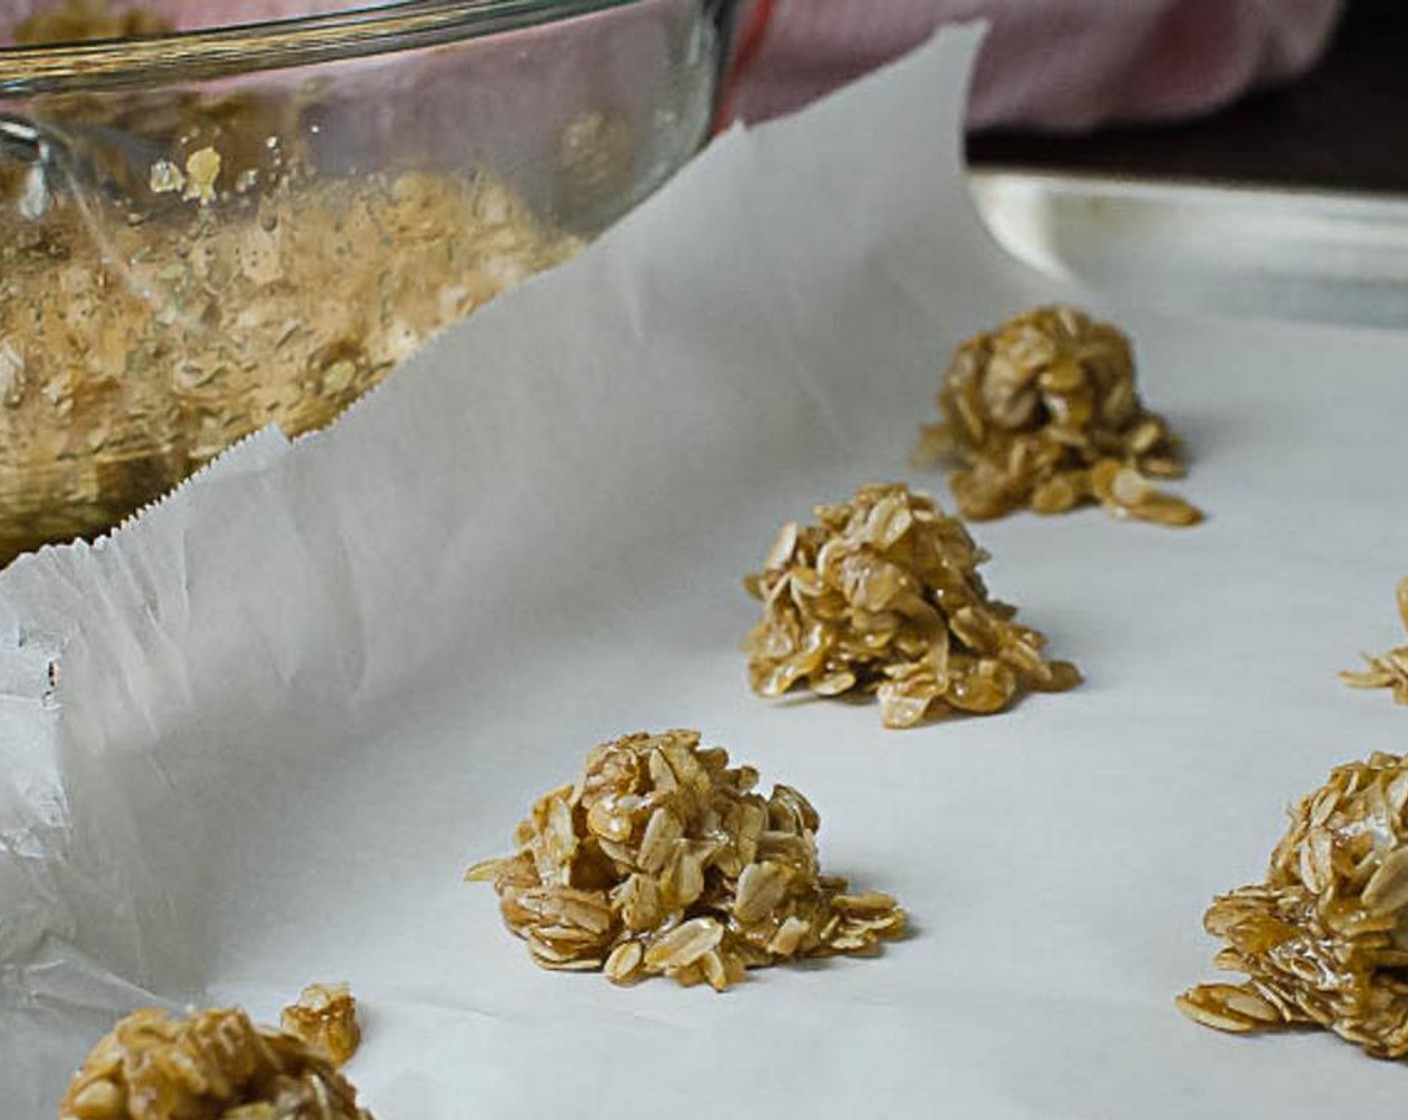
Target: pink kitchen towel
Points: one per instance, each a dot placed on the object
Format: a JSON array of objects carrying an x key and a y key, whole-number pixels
[
  {"x": 1062, "y": 64},
  {"x": 1057, "y": 64}
]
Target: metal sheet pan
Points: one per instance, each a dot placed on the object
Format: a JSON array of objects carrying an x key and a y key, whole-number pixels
[{"x": 1282, "y": 254}]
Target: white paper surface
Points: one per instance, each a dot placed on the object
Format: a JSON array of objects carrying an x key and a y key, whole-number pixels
[{"x": 293, "y": 702}]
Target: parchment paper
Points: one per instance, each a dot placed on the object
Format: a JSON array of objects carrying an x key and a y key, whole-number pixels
[{"x": 253, "y": 740}]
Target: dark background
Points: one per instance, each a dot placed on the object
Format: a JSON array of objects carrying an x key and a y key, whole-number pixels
[{"x": 1343, "y": 126}]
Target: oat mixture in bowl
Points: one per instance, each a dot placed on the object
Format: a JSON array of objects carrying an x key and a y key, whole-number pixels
[{"x": 207, "y": 229}]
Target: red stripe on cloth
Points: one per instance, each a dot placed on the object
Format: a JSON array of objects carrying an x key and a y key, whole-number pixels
[{"x": 750, "y": 44}]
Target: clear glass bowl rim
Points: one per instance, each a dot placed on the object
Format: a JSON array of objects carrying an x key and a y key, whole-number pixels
[{"x": 186, "y": 56}]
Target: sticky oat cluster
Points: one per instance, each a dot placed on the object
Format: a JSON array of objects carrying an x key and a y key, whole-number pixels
[
  {"x": 214, "y": 1065},
  {"x": 662, "y": 860},
  {"x": 1043, "y": 414},
  {"x": 883, "y": 595},
  {"x": 1322, "y": 941}
]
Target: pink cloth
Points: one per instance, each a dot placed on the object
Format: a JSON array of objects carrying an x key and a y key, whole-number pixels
[
  {"x": 1059, "y": 64},
  {"x": 1064, "y": 64}
]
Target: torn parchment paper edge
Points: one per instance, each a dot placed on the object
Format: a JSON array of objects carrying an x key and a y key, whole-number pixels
[{"x": 93, "y": 630}]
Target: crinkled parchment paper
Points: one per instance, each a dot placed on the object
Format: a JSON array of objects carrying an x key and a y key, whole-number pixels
[{"x": 253, "y": 739}]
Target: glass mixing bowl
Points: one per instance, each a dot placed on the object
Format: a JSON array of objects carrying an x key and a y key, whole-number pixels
[{"x": 226, "y": 214}]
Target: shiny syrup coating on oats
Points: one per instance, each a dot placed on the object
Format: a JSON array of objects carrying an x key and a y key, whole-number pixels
[
  {"x": 662, "y": 860},
  {"x": 1386, "y": 670},
  {"x": 325, "y": 1018},
  {"x": 1323, "y": 940},
  {"x": 882, "y": 594},
  {"x": 1042, "y": 413},
  {"x": 212, "y": 1065}
]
